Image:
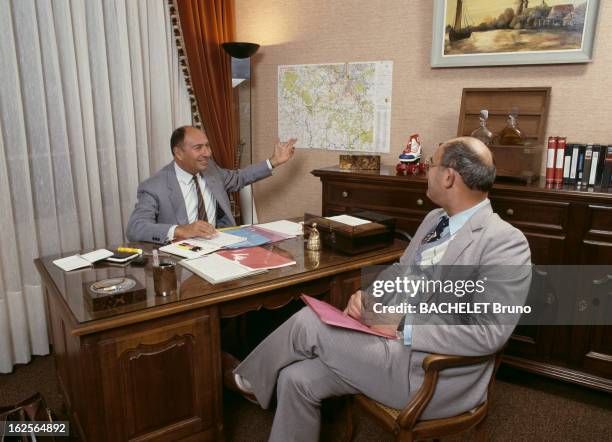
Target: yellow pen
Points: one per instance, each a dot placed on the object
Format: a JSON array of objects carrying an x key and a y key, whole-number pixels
[
  {"x": 224, "y": 229},
  {"x": 129, "y": 250}
]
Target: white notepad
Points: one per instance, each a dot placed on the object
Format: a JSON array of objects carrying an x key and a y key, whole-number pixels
[
  {"x": 283, "y": 226},
  {"x": 79, "y": 261},
  {"x": 349, "y": 220},
  {"x": 216, "y": 269}
]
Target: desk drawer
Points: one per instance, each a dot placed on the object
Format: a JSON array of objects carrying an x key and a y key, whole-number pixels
[
  {"x": 354, "y": 195},
  {"x": 525, "y": 213}
]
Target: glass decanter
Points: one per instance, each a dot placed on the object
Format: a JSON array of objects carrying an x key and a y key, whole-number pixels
[
  {"x": 511, "y": 135},
  {"x": 483, "y": 133}
]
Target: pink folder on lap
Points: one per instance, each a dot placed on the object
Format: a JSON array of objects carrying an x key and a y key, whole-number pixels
[{"x": 332, "y": 316}]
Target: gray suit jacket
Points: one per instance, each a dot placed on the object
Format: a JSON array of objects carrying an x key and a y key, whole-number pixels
[
  {"x": 161, "y": 204},
  {"x": 484, "y": 240}
]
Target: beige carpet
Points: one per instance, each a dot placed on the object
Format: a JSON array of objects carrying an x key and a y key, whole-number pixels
[{"x": 525, "y": 408}]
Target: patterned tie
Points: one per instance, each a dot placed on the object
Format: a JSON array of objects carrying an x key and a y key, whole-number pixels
[
  {"x": 437, "y": 232},
  {"x": 201, "y": 206}
]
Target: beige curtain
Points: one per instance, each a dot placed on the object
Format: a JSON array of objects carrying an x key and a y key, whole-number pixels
[{"x": 89, "y": 94}]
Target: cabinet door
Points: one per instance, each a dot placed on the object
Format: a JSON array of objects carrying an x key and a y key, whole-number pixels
[
  {"x": 596, "y": 249},
  {"x": 598, "y": 355},
  {"x": 160, "y": 380},
  {"x": 596, "y": 242},
  {"x": 544, "y": 224}
]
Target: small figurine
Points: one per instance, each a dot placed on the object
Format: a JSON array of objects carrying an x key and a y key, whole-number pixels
[
  {"x": 409, "y": 159},
  {"x": 314, "y": 240},
  {"x": 312, "y": 259},
  {"x": 412, "y": 151}
]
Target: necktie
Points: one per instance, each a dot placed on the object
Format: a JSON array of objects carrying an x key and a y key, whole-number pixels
[
  {"x": 201, "y": 206},
  {"x": 437, "y": 232}
]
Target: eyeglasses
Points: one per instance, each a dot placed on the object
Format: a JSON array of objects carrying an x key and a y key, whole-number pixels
[{"x": 430, "y": 163}]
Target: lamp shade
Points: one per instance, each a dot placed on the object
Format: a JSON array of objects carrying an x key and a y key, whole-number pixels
[{"x": 240, "y": 49}]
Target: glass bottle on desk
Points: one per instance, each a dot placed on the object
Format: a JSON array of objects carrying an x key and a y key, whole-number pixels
[
  {"x": 511, "y": 135},
  {"x": 483, "y": 133}
]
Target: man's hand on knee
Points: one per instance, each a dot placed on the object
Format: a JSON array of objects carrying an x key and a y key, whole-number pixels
[{"x": 353, "y": 308}]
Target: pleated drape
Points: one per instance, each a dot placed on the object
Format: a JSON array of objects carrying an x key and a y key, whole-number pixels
[
  {"x": 89, "y": 94},
  {"x": 205, "y": 24}
]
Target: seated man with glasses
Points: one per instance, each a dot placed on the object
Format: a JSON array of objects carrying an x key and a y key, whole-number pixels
[{"x": 305, "y": 361}]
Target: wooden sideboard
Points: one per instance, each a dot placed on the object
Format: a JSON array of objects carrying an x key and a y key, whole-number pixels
[{"x": 565, "y": 226}]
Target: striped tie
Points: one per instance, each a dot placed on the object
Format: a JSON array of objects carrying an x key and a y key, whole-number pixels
[
  {"x": 201, "y": 206},
  {"x": 436, "y": 234}
]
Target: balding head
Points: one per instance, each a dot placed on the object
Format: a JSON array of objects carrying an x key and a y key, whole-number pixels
[{"x": 472, "y": 160}]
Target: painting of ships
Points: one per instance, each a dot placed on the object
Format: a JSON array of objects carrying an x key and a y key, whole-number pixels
[{"x": 460, "y": 30}]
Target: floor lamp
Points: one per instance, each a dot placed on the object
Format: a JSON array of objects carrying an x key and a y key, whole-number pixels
[{"x": 241, "y": 53}]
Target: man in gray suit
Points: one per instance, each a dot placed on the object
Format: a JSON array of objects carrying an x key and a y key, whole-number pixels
[
  {"x": 188, "y": 197},
  {"x": 306, "y": 360}
]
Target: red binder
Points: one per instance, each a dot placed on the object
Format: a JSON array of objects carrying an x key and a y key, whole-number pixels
[{"x": 551, "y": 154}]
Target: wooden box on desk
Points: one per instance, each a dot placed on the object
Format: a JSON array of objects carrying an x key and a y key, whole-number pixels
[
  {"x": 105, "y": 301},
  {"x": 521, "y": 162},
  {"x": 353, "y": 240}
]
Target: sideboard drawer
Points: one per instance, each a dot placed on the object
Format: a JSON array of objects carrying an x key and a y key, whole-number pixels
[
  {"x": 526, "y": 213},
  {"x": 378, "y": 197}
]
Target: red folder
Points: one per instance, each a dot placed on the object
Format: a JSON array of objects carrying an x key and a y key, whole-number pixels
[
  {"x": 330, "y": 315},
  {"x": 256, "y": 257}
]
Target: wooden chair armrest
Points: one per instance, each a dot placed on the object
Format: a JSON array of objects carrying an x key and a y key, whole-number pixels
[
  {"x": 440, "y": 362},
  {"x": 432, "y": 365}
]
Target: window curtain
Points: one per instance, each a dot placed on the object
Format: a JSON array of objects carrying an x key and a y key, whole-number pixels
[
  {"x": 203, "y": 26},
  {"x": 90, "y": 92}
]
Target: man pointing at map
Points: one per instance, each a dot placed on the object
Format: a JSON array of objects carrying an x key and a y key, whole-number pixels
[{"x": 189, "y": 196}]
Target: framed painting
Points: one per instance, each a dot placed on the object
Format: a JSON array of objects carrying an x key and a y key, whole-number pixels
[{"x": 512, "y": 32}]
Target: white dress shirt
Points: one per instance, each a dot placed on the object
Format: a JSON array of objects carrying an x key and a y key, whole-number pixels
[{"x": 190, "y": 196}]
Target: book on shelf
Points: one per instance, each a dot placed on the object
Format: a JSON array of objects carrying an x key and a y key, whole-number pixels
[
  {"x": 551, "y": 155},
  {"x": 586, "y": 170},
  {"x": 600, "y": 164},
  {"x": 574, "y": 163},
  {"x": 594, "y": 164},
  {"x": 559, "y": 162},
  {"x": 567, "y": 163},
  {"x": 606, "y": 180}
]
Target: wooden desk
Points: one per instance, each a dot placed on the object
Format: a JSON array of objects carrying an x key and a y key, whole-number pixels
[{"x": 151, "y": 370}]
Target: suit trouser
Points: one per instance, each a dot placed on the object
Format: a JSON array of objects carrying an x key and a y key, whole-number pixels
[{"x": 308, "y": 361}]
